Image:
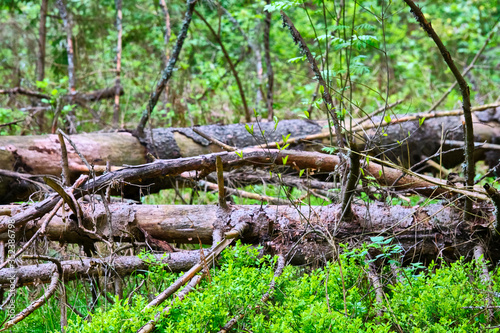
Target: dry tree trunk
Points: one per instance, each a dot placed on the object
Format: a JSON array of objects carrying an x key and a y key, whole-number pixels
[
  {"x": 40, "y": 154},
  {"x": 426, "y": 232},
  {"x": 63, "y": 11},
  {"x": 40, "y": 60},
  {"x": 116, "y": 107},
  {"x": 269, "y": 65},
  {"x": 94, "y": 267}
]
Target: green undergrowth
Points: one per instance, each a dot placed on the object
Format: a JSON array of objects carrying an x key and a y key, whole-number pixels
[
  {"x": 201, "y": 197},
  {"x": 336, "y": 297}
]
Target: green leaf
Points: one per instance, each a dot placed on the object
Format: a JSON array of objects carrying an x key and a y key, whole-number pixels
[
  {"x": 301, "y": 172},
  {"x": 421, "y": 121},
  {"x": 387, "y": 118},
  {"x": 240, "y": 154},
  {"x": 42, "y": 84},
  {"x": 285, "y": 159},
  {"x": 249, "y": 129},
  {"x": 44, "y": 100}
]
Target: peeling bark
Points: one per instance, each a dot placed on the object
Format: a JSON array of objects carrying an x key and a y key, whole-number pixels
[
  {"x": 39, "y": 154},
  {"x": 85, "y": 268},
  {"x": 427, "y": 232}
]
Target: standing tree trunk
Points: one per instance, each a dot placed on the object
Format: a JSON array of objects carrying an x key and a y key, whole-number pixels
[
  {"x": 269, "y": 65},
  {"x": 71, "y": 65},
  {"x": 168, "y": 71},
  {"x": 166, "y": 37},
  {"x": 69, "y": 45},
  {"x": 168, "y": 31},
  {"x": 40, "y": 61},
  {"x": 116, "y": 108}
]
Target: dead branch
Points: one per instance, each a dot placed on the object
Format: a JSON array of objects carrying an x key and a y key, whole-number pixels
[
  {"x": 466, "y": 104},
  {"x": 168, "y": 71},
  {"x": 327, "y": 97},
  {"x": 56, "y": 272},
  {"x": 248, "y": 116},
  {"x": 90, "y": 267},
  {"x": 301, "y": 160}
]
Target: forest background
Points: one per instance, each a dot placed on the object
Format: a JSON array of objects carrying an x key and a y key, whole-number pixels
[{"x": 372, "y": 54}]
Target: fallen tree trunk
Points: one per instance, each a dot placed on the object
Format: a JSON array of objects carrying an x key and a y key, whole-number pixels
[
  {"x": 41, "y": 154},
  {"x": 434, "y": 230},
  {"x": 91, "y": 96},
  {"x": 161, "y": 169},
  {"x": 91, "y": 267}
]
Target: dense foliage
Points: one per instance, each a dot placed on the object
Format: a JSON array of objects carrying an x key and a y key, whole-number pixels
[
  {"x": 376, "y": 52},
  {"x": 445, "y": 298}
]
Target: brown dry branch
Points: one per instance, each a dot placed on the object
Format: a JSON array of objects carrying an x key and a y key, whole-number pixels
[
  {"x": 352, "y": 181},
  {"x": 327, "y": 97},
  {"x": 495, "y": 198},
  {"x": 220, "y": 183},
  {"x": 168, "y": 72},
  {"x": 378, "y": 111},
  {"x": 377, "y": 285},
  {"x": 150, "y": 326},
  {"x": 466, "y": 104},
  {"x": 204, "y": 264},
  {"x": 189, "y": 274},
  {"x": 44, "y": 224},
  {"x": 56, "y": 272},
  {"x": 64, "y": 161},
  {"x": 214, "y": 140},
  {"x": 468, "y": 69},
  {"x": 92, "y": 96},
  {"x": 205, "y": 164},
  {"x": 479, "y": 255},
  {"x": 243, "y": 194}
]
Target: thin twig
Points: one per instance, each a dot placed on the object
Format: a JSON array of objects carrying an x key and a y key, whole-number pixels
[
  {"x": 248, "y": 116},
  {"x": 214, "y": 140},
  {"x": 277, "y": 273},
  {"x": 468, "y": 69}
]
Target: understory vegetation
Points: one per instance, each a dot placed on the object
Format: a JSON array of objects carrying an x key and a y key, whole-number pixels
[{"x": 442, "y": 297}]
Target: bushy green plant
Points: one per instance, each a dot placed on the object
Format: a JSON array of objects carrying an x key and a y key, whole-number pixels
[{"x": 429, "y": 299}]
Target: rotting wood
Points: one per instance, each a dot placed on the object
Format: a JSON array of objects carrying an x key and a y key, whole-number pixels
[
  {"x": 205, "y": 164},
  {"x": 89, "y": 267},
  {"x": 38, "y": 155},
  {"x": 430, "y": 231}
]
